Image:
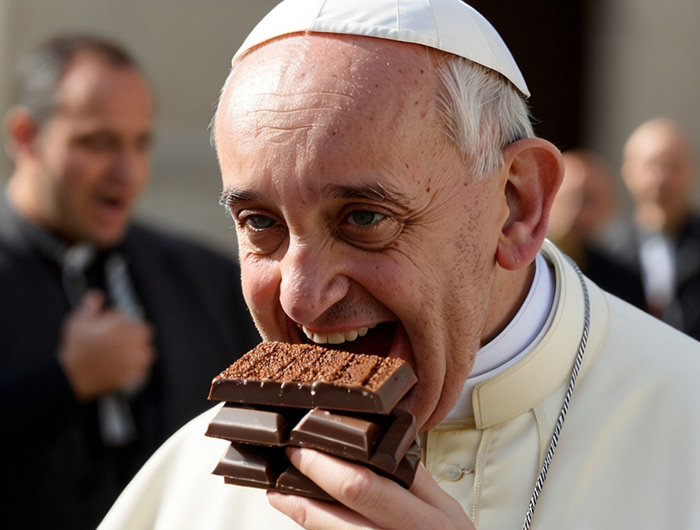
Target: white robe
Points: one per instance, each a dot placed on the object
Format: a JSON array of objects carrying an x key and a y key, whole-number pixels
[{"x": 628, "y": 455}]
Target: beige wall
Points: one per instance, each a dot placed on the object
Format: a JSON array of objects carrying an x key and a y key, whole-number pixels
[{"x": 644, "y": 62}]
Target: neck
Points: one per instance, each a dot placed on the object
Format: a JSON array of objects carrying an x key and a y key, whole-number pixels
[{"x": 512, "y": 288}]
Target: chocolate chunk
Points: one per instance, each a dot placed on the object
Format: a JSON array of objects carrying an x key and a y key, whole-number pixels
[
  {"x": 338, "y": 434},
  {"x": 396, "y": 441},
  {"x": 304, "y": 375},
  {"x": 252, "y": 465},
  {"x": 243, "y": 424},
  {"x": 406, "y": 470}
]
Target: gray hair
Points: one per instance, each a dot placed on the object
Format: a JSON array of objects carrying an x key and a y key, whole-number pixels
[
  {"x": 39, "y": 74},
  {"x": 483, "y": 112}
]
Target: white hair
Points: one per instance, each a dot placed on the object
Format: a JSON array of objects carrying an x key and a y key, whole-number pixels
[{"x": 483, "y": 112}]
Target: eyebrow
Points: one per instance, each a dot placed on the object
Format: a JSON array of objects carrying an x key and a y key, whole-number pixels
[
  {"x": 230, "y": 196},
  {"x": 378, "y": 193}
]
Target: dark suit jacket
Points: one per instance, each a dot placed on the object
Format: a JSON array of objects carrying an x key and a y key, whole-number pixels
[
  {"x": 684, "y": 314},
  {"x": 56, "y": 471}
]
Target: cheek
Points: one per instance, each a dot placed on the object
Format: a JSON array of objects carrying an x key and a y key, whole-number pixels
[{"x": 260, "y": 285}]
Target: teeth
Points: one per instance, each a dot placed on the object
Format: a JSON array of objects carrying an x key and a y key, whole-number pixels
[{"x": 335, "y": 337}]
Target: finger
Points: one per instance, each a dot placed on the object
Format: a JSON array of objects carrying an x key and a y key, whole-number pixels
[
  {"x": 313, "y": 514},
  {"x": 377, "y": 498}
]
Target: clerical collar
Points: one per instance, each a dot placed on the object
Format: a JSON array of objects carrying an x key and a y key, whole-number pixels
[{"x": 517, "y": 339}]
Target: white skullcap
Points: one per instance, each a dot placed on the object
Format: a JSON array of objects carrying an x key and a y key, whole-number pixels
[{"x": 448, "y": 25}]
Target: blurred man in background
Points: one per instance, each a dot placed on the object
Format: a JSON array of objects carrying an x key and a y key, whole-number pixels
[
  {"x": 110, "y": 331},
  {"x": 660, "y": 244}
]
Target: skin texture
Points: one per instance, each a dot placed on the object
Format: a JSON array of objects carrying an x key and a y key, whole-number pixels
[
  {"x": 659, "y": 172},
  {"x": 353, "y": 209},
  {"x": 77, "y": 176}
]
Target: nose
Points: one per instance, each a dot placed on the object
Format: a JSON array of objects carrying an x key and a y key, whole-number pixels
[
  {"x": 310, "y": 281},
  {"x": 130, "y": 164}
]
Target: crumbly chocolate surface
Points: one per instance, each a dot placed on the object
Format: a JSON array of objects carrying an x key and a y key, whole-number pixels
[
  {"x": 279, "y": 361},
  {"x": 307, "y": 375}
]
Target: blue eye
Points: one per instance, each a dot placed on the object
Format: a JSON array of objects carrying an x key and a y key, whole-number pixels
[
  {"x": 365, "y": 217},
  {"x": 259, "y": 222}
]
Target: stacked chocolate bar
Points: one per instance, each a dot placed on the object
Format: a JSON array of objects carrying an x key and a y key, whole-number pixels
[{"x": 341, "y": 403}]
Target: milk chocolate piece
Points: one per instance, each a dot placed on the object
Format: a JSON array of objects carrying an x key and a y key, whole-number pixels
[
  {"x": 250, "y": 425},
  {"x": 305, "y": 375},
  {"x": 252, "y": 465},
  {"x": 406, "y": 470},
  {"x": 338, "y": 434},
  {"x": 397, "y": 440}
]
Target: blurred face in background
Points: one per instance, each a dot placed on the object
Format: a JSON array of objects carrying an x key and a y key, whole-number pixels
[
  {"x": 659, "y": 171},
  {"x": 90, "y": 159}
]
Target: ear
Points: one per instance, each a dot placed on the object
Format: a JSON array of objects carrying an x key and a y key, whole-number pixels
[
  {"x": 534, "y": 172},
  {"x": 21, "y": 132}
]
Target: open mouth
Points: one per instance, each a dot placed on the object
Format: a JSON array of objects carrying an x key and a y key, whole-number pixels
[{"x": 374, "y": 341}]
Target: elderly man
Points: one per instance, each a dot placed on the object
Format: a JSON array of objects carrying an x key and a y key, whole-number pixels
[{"x": 379, "y": 164}]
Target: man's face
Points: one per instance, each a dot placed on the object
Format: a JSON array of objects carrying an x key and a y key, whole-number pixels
[
  {"x": 92, "y": 154},
  {"x": 659, "y": 168},
  {"x": 354, "y": 212}
]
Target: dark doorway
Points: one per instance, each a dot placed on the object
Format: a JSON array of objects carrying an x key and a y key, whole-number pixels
[{"x": 546, "y": 37}]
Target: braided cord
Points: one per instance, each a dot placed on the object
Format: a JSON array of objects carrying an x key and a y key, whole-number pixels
[{"x": 565, "y": 406}]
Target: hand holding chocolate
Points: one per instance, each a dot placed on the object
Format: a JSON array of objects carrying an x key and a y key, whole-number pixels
[{"x": 341, "y": 403}]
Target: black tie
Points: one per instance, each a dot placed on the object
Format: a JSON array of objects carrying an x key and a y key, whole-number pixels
[{"x": 116, "y": 423}]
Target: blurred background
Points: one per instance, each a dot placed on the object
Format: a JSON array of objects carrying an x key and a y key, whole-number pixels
[{"x": 596, "y": 70}]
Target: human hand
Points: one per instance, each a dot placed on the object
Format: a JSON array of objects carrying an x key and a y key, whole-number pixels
[
  {"x": 102, "y": 350},
  {"x": 367, "y": 499}
]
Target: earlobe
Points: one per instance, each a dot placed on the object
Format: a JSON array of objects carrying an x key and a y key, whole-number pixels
[{"x": 535, "y": 170}]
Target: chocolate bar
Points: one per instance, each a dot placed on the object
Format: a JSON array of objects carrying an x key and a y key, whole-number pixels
[
  {"x": 378, "y": 440},
  {"x": 306, "y": 375},
  {"x": 306, "y": 395},
  {"x": 268, "y": 468}
]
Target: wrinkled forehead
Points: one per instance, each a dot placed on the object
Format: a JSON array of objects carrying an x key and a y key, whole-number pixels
[
  {"x": 329, "y": 75},
  {"x": 315, "y": 58}
]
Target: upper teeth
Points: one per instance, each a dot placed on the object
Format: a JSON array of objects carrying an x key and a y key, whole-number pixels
[{"x": 336, "y": 337}]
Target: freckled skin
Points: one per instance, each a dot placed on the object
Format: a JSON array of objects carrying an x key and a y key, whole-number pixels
[{"x": 304, "y": 116}]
